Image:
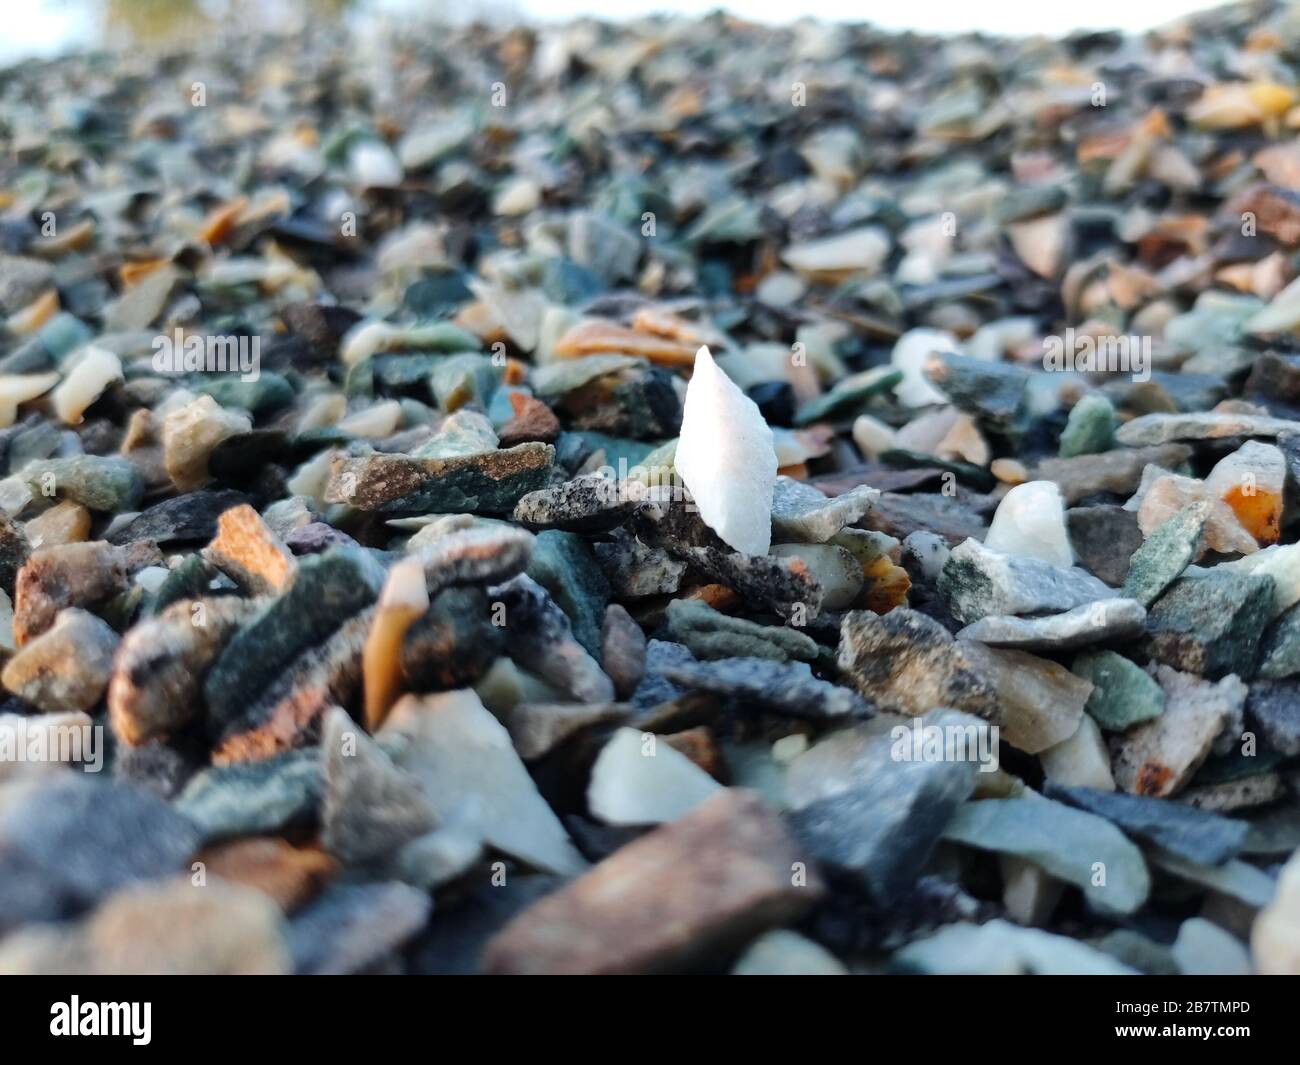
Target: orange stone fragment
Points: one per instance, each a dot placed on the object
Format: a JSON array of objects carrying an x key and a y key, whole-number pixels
[
  {"x": 290, "y": 875},
  {"x": 1259, "y": 512},
  {"x": 221, "y": 220},
  {"x": 609, "y": 338}
]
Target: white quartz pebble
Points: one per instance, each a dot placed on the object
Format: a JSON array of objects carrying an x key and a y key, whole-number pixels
[{"x": 1030, "y": 521}]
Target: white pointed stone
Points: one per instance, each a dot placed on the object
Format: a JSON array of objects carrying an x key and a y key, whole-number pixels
[
  {"x": 872, "y": 436},
  {"x": 95, "y": 370},
  {"x": 910, "y": 352},
  {"x": 726, "y": 457},
  {"x": 1082, "y": 761},
  {"x": 16, "y": 389},
  {"x": 638, "y": 779},
  {"x": 470, "y": 773},
  {"x": 1030, "y": 521}
]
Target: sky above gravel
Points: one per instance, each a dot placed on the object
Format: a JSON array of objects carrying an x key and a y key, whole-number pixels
[{"x": 50, "y": 26}]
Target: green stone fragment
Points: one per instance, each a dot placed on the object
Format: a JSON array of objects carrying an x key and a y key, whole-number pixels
[
  {"x": 711, "y": 634},
  {"x": 1166, "y": 553},
  {"x": 270, "y": 391},
  {"x": 1090, "y": 428},
  {"x": 564, "y": 564},
  {"x": 328, "y": 589},
  {"x": 848, "y": 395},
  {"x": 101, "y": 482},
  {"x": 1123, "y": 694}
]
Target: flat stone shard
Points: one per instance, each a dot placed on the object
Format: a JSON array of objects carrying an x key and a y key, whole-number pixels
[
  {"x": 1250, "y": 482},
  {"x": 872, "y": 808},
  {"x": 371, "y": 807},
  {"x": 467, "y": 768},
  {"x": 1001, "y": 947},
  {"x": 726, "y": 458},
  {"x": 801, "y": 514},
  {"x": 1104, "y": 538},
  {"x": 1195, "y": 834},
  {"x": 711, "y": 634},
  {"x": 780, "y": 687},
  {"x": 590, "y": 503},
  {"x": 191, "y": 433},
  {"x": 1063, "y": 841},
  {"x": 1151, "y": 429},
  {"x": 638, "y": 779},
  {"x": 1041, "y": 702},
  {"x": 1099, "y": 622},
  {"x": 83, "y": 575},
  {"x": 490, "y": 482},
  {"x": 696, "y": 888},
  {"x": 1118, "y": 471}
]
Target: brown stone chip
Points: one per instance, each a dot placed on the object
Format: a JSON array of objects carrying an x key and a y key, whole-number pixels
[
  {"x": 700, "y": 886},
  {"x": 290, "y": 875},
  {"x": 247, "y": 551},
  {"x": 82, "y": 574}
]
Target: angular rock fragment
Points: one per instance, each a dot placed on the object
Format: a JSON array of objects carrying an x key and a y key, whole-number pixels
[
  {"x": 537, "y": 729},
  {"x": 702, "y": 885},
  {"x": 977, "y": 582},
  {"x": 801, "y": 514},
  {"x": 1002, "y": 947},
  {"x": 99, "y": 482},
  {"x": 908, "y": 662},
  {"x": 635, "y": 571},
  {"x": 329, "y": 589},
  {"x": 67, "y": 666},
  {"x": 465, "y": 764},
  {"x": 352, "y": 927},
  {"x": 1181, "y": 829},
  {"x": 540, "y": 638},
  {"x": 1123, "y": 694},
  {"x": 590, "y": 503},
  {"x": 1273, "y": 708},
  {"x": 1030, "y": 522},
  {"x": 191, "y": 433},
  {"x": 1211, "y": 625},
  {"x": 1153, "y": 429},
  {"x": 371, "y": 808},
  {"x": 873, "y": 816},
  {"x": 1104, "y": 538},
  {"x": 711, "y": 634},
  {"x": 638, "y": 779},
  {"x": 1118, "y": 471},
  {"x": 248, "y": 552},
  {"x": 192, "y": 516},
  {"x": 83, "y": 575},
  {"x": 1167, "y": 551},
  {"x": 622, "y": 650},
  {"x": 1040, "y": 702},
  {"x": 1159, "y": 757},
  {"x": 491, "y": 482}
]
